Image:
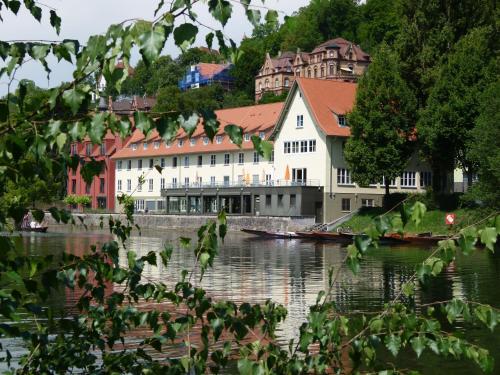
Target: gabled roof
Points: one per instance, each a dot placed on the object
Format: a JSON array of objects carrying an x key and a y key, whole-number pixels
[
  {"x": 253, "y": 118},
  {"x": 209, "y": 70},
  {"x": 325, "y": 100},
  {"x": 343, "y": 46}
]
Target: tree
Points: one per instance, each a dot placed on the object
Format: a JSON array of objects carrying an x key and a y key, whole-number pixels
[
  {"x": 382, "y": 123},
  {"x": 271, "y": 97},
  {"x": 108, "y": 280},
  {"x": 446, "y": 123},
  {"x": 484, "y": 147}
]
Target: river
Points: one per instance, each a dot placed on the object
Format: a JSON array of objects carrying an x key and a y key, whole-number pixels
[{"x": 292, "y": 272}]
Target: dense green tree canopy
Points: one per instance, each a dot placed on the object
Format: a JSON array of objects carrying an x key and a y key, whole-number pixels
[{"x": 382, "y": 123}]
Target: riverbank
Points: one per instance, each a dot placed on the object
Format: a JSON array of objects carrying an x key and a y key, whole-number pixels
[
  {"x": 235, "y": 223},
  {"x": 434, "y": 220}
]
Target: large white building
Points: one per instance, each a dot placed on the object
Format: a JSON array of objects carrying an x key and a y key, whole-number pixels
[{"x": 307, "y": 176}]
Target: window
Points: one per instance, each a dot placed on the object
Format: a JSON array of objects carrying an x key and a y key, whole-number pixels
[
  {"x": 186, "y": 161},
  {"x": 156, "y": 144},
  {"x": 226, "y": 159},
  {"x": 269, "y": 181},
  {"x": 255, "y": 179},
  {"x": 168, "y": 144},
  {"x": 139, "y": 205},
  {"x": 200, "y": 160},
  {"x": 299, "y": 176},
  {"x": 391, "y": 183},
  {"x": 150, "y": 187},
  {"x": 213, "y": 159},
  {"x": 408, "y": 179},
  {"x": 205, "y": 141},
  {"x": 255, "y": 157},
  {"x": 260, "y": 86},
  {"x": 295, "y": 147},
  {"x": 103, "y": 149},
  {"x": 180, "y": 143},
  {"x": 119, "y": 165},
  {"x": 151, "y": 163},
  {"x": 139, "y": 184},
  {"x": 101, "y": 185},
  {"x": 73, "y": 149},
  {"x": 287, "y": 148},
  {"x": 73, "y": 186},
  {"x": 272, "y": 157},
  {"x": 174, "y": 162},
  {"x": 134, "y": 146},
  {"x": 88, "y": 149},
  {"x": 129, "y": 185},
  {"x": 162, "y": 183},
  {"x": 331, "y": 70},
  {"x": 162, "y": 162},
  {"x": 344, "y": 177},
  {"x": 312, "y": 145},
  {"x": 192, "y": 141},
  {"x": 280, "y": 200},
  {"x": 186, "y": 181},
  {"x": 287, "y": 82},
  {"x": 246, "y": 137},
  {"x": 342, "y": 120},
  {"x": 87, "y": 188},
  {"x": 174, "y": 182},
  {"x": 303, "y": 146},
  {"x": 297, "y": 72},
  {"x": 262, "y": 135},
  {"x": 139, "y": 164},
  {"x": 293, "y": 200},
  {"x": 267, "y": 83},
  {"x": 316, "y": 71},
  {"x": 425, "y": 178},
  {"x": 241, "y": 158},
  {"x": 212, "y": 180},
  {"x": 367, "y": 202},
  {"x": 268, "y": 200},
  {"x": 240, "y": 179},
  {"x": 129, "y": 165},
  {"x": 322, "y": 71},
  {"x": 346, "y": 204},
  {"x": 276, "y": 83},
  {"x": 145, "y": 145},
  {"x": 119, "y": 185},
  {"x": 218, "y": 139},
  {"x": 226, "y": 180},
  {"x": 300, "y": 121},
  {"x": 200, "y": 181}
]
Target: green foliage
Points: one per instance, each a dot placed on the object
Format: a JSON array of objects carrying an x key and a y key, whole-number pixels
[
  {"x": 33, "y": 151},
  {"x": 83, "y": 200},
  {"x": 382, "y": 123}
]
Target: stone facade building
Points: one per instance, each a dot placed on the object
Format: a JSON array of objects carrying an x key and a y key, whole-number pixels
[{"x": 335, "y": 59}]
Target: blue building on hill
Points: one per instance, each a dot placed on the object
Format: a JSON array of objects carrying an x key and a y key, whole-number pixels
[{"x": 204, "y": 74}]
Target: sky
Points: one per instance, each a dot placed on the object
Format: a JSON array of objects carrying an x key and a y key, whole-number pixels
[{"x": 83, "y": 18}]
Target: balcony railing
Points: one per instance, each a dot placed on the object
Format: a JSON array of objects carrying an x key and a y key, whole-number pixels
[{"x": 239, "y": 184}]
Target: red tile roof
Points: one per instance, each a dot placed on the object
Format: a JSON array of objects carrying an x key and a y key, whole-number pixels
[
  {"x": 326, "y": 99},
  {"x": 252, "y": 119},
  {"x": 209, "y": 70}
]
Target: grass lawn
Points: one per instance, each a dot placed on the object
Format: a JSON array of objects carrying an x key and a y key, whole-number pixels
[{"x": 433, "y": 220}]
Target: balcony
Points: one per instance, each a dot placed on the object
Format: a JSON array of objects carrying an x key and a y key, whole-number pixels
[{"x": 242, "y": 184}]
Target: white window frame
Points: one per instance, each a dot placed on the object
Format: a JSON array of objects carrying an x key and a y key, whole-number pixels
[
  {"x": 300, "y": 121},
  {"x": 218, "y": 139},
  {"x": 241, "y": 158},
  {"x": 344, "y": 177},
  {"x": 186, "y": 161},
  {"x": 246, "y": 137},
  {"x": 150, "y": 185},
  {"x": 119, "y": 165},
  {"x": 227, "y": 159},
  {"x": 256, "y": 157},
  {"x": 119, "y": 185},
  {"x": 213, "y": 160},
  {"x": 129, "y": 185},
  {"x": 312, "y": 145},
  {"x": 408, "y": 179}
]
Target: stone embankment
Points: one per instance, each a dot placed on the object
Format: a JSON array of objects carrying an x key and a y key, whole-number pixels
[{"x": 152, "y": 221}]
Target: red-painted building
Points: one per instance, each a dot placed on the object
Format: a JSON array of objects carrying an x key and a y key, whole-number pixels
[{"x": 102, "y": 188}]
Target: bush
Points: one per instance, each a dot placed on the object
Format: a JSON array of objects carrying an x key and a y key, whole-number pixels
[{"x": 73, "y": 200}]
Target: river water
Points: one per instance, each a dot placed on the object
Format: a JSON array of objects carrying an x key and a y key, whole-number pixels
[{"x": 292, "y": 272}]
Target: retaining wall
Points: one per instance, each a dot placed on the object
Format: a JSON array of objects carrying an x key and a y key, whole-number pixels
[{"x": 271, "y": 223}]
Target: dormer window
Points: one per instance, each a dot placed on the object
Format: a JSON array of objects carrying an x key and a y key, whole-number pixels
[
  {"x": 192, "y": 141},
  {"x": 205, "y": 141},
  {"x": 134, "y": 146},
  {"x": 156, "y": 145},
  {"x": 180, "y": 143},
  {"x": 218, "y": 139},
  {"x": 168, "y": 144},
  {"x": 145, "y": 145},
  {"x": 262, "y": 135},
  {"x": 246, "y": 137},
  {"x": 342, "y": 120}
]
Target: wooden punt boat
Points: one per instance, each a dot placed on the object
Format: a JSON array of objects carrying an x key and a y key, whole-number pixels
[{"x": 269, "y": 234}]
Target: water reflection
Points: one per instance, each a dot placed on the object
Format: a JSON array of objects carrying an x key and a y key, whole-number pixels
[{"x": 292, "y": 272}]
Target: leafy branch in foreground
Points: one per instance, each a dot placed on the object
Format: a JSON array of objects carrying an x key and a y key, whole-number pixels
[{"x": 192, "y": 332}]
